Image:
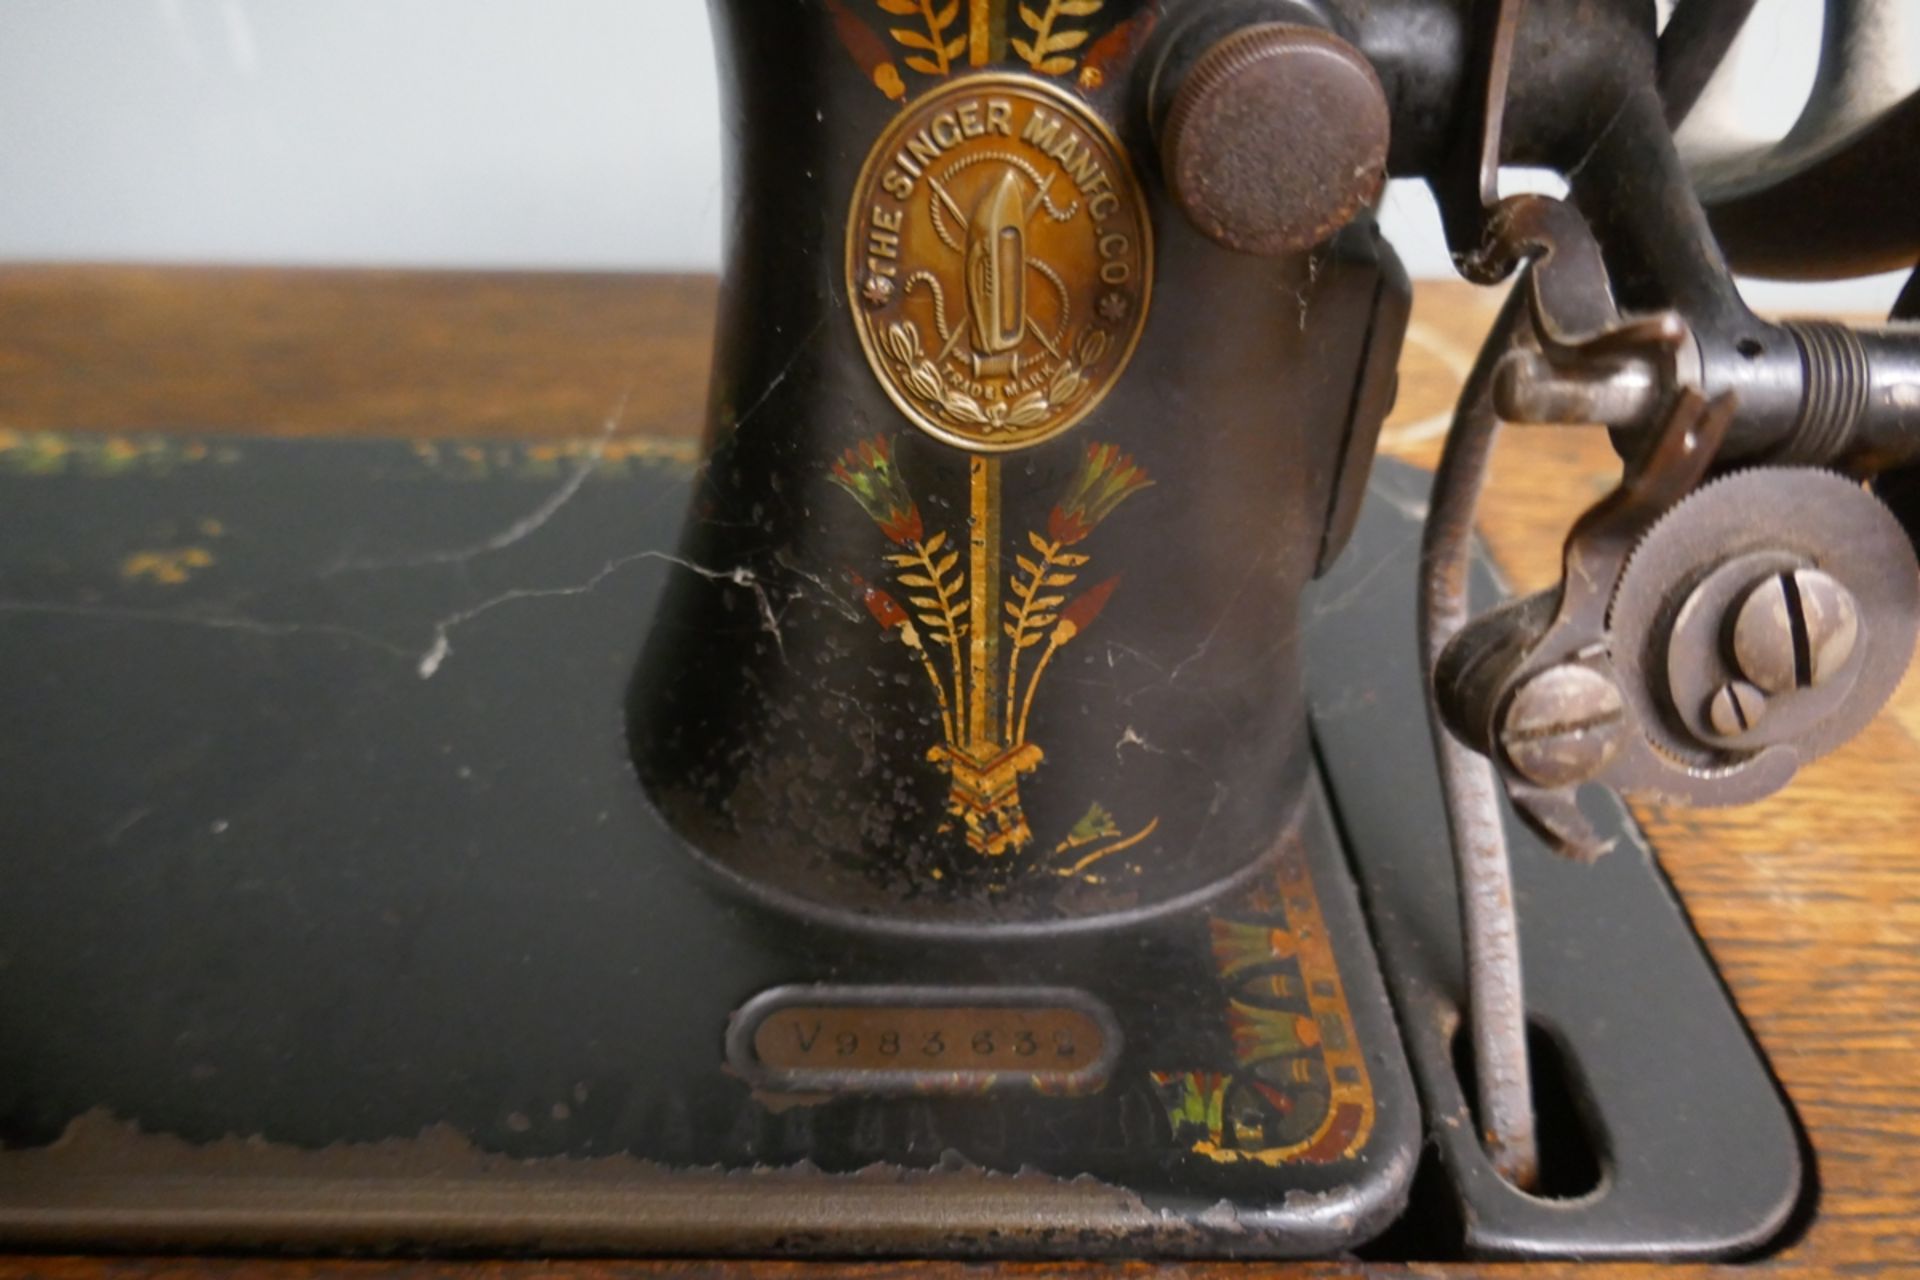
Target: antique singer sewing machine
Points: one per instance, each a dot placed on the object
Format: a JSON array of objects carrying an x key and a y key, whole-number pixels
[{"x": 1032, "y": 784}]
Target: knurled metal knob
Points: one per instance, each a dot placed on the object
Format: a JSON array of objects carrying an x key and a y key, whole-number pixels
[{"x": 1277, "y": 138}]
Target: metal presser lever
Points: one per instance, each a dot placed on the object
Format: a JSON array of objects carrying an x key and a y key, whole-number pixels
[{"x": 1743, "y": 602}]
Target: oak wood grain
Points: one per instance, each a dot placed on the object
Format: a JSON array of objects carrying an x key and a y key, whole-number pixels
[
  {"x": 1810, "y": 901},
  {"x": 301, "y": 353}
]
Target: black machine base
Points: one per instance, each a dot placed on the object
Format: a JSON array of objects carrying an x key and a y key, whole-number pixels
[{"x": 332, "y": 918}]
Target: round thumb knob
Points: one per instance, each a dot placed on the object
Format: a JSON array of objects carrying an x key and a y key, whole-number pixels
[{"x": 1277, "y": 138}]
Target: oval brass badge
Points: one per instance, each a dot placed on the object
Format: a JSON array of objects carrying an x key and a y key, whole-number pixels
[{"x": 1002, "y": 260}]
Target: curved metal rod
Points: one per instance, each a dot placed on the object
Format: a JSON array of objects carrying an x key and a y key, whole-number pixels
[
  {"x": 1869, "y": 64},
  {"x": 1496, "y": 1004},
  {"x": 1692, "y": 46}
]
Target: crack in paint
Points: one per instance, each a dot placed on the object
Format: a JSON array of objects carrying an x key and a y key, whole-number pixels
[
  {"x": 520, "y": 529},
  {"x": 190, "y": 618},
  {"x": 437, "y": 652}
]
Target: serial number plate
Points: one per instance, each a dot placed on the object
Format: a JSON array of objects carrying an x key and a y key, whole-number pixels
[{"x": 923, "y": 1040}]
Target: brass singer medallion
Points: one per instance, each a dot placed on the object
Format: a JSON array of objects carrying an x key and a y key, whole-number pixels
[{"x": 1000, "y": 251}]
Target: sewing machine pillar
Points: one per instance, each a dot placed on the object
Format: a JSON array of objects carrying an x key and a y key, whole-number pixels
[{"x": 1011, "y": 483}]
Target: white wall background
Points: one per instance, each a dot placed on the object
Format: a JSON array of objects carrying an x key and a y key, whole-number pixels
[{"x": 501, "y": 133}]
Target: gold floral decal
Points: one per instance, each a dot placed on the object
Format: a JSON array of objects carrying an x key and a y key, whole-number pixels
[
  {"x": 1047, "y": 51},
  {"x": 985, "y": 774},
  {"x": 1049, "y": 47},
  {"x": 1298, "y": 1090},
  {"x": 606, "y": 459},
  {"x": 887, "y": 612},
  {"x": 1105, "y": 478},
  {"x": 168, "y": 566},
  {"x": 61, "y": 453},
  {"x": 874, "y": 55},
  {"x": 937, "y": 52},
  {"x": 1098, "y": 824},
  {"x": 867, "y": 472}
]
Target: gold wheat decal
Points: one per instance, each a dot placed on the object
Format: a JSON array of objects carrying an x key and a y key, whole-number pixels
[
  {"x": 1047, "y": 51},
  {"x": 942, "y": 611},
  {"x": 866, "y": 471},
  {"x": 1035, "y": 610},
  {"x": 984, "y": 769},
  {"x": 936, "y": 51}
]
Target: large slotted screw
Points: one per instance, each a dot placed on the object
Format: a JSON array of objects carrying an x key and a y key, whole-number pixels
[
  {"x": 1563, "y": 726},
  {"x": 1795, "y": 630}
]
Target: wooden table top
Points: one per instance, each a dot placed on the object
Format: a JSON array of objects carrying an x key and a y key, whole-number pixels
[{"x": 1809, "y": 901}]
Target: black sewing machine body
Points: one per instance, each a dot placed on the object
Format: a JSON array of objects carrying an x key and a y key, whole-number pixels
[{"x": 943, "y": 813}]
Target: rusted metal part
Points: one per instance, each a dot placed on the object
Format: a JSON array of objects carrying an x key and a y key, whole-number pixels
[
  {"x": 1741, "y": 650},
  {"x": 1572, "y": 303},
  {"x": 1587, "y": 361},
  {"x": 1637, "y": 324},
  {"x": 1529, "y": 387},
  {"x": 1700, "y": 687},
  {"x": 1860, "y": 397},
  {"x": 1643, "y": 246},
  {"x": 1468, "y": 183},
  {"x": 1795, "y": 630},
  {"x": 1497, "y": 1015},
  {"x": 1493, "y": 105},
  {"x": 1816, "y": 610},
  {"x": 1575, "y": 323},
  {"x": 1583, "y": 733},
  {"x": 1620, "y": 1023},
  {"x": 1277, "y": 138},
  {"x": 1562, "y": 726},
  {"x": 1493, "y": 83},
  {"x": 1736, "y": 708},
  {"x": 1597, "y": 551}
]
